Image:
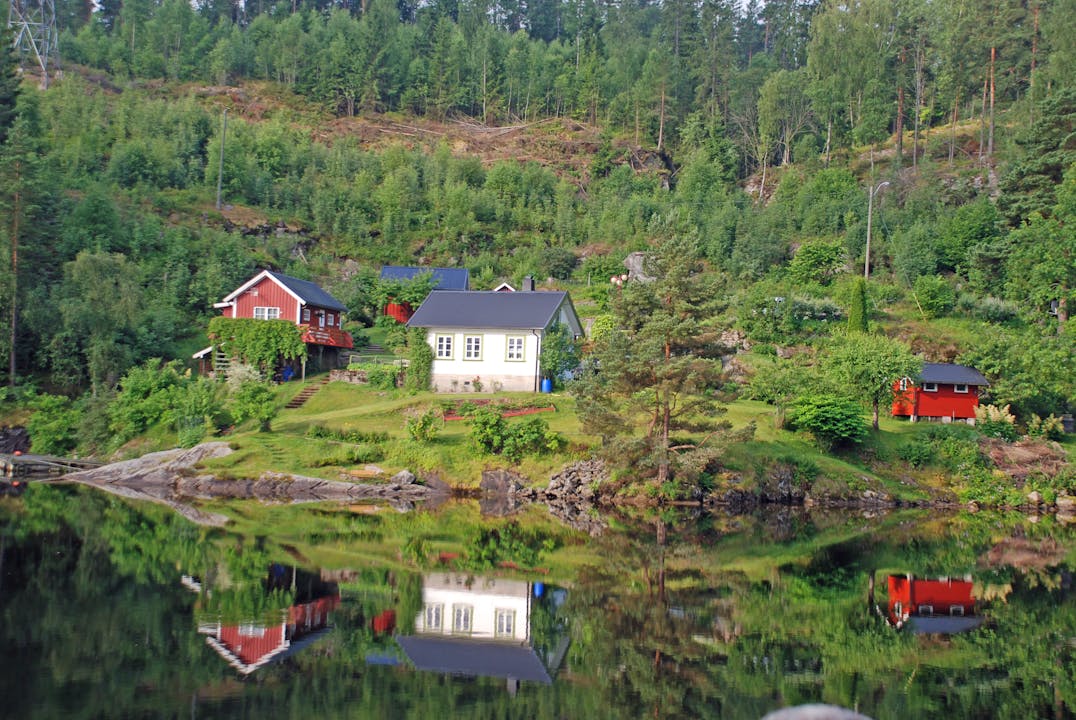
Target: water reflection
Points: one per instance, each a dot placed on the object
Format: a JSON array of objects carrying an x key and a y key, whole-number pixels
[
  {"x": 488, "y": 627},
  {"x": 939, "y": 606},
  {"x": 255, "y": 641}
]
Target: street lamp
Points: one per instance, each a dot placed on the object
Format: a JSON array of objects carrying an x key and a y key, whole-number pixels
[{"x": 870, "y": 210}]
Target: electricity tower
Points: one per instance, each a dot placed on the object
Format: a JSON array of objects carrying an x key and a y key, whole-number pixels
[{"x": 33, "y": 23}]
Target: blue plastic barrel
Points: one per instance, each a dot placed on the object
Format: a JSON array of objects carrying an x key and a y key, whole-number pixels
[
  {"x": 539, "y": 589},
  {"x": 547, "y": 385}
]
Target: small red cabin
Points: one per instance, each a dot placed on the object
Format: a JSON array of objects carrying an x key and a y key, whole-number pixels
[
  {"x": 273, "y": 296},
  {"x": 942, "y": 392},
  {"x": 938, "y": 606}
]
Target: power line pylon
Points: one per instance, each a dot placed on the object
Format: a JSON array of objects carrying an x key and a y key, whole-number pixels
[{"x": 33, "y": 23}]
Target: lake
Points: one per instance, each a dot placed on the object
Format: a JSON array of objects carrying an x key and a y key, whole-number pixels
[{"x": 115, "y": 610}]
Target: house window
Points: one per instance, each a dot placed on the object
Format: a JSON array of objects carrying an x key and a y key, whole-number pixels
[
  {"x": 266, "y": 313},
  {"x": 331, "y": 319},
  {"x": 472, "y": 347},
  {"x": 514, "y": 348},
  {"x": 251, "y": 630},
  {"x": 930, "y": 387},
  {"x": 904, "y": 382},
  {"x": 444, "y": 347},
  {"x": 433, "y": 617},
  {"x": 461, "y": 618},
  {"x": 506, "y": 623},
  {"x": 306, "y": 314},
  {"x": 960, "y": 388},
  {"x": 321, "y": 318}
]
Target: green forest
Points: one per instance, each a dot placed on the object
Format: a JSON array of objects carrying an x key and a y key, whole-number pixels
[{"x": 761, "y": 143}]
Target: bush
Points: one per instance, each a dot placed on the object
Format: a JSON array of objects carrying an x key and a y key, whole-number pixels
[
  {"x": 988, "y": 309},
  {"x": 1050, "y": 428},
  {"x": 834, "y": 421},
  {"x": 934, "y": 295},
  {"x": 423, "y": 428},
  {"x": 488, "y": 430},
  {"x": 255, "y": 400},
  {"x": 381, "y": 377},
  {"x": 996, "y": 422},
  {"x": 53, "y": 427},
  {"x": 492, "y": 434},
  {"x": 420, "y": 361},
  {"x": 917, "y": 454}
]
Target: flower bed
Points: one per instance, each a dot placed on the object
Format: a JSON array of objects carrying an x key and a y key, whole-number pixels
[{"x": 461, "y": 409}]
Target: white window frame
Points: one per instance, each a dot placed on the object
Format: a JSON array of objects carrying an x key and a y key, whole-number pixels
[
  {"x": 515, "y": 354},
  {"x": 443, "y": 346},
  {"x": 266, "y": 313},
  {"x": 306, "y": 314},
  {"x": 434, "y": 616},
  {"x": 957, "y": 386},
  {"x": 904, "y": 382},
  {"x": 463, "y": 619},
  {"x": 472, "y": 348},
  {"x": 321, "y": 319},
  {"x": 930, "y": 387},
  {"x": 330, "y": 319},
  {"x": 505, "y": 623}
]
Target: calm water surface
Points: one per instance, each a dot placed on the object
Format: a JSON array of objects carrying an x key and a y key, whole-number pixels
[{"x": 109, "y": 610}]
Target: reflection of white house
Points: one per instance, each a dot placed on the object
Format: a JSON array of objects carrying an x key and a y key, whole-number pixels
[
  {"x": 492, "y": 337},
  {"x": 486, "y": 608},
  {"x": 479, "y": 626}
]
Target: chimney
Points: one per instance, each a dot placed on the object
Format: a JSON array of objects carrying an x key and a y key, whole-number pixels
[{"x": 528, "y": 284}]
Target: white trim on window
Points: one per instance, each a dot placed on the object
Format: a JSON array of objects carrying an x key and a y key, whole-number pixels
[
  {"x": 904, "y": 383},
  {"x": 930, "y": 387},
  {"x": 472, "y": 347},
  {"x": 462, "y": 618},
  {"x": 306, "y": 314},
  {"x": 443, "y": 347},
  {"x": 506, "y": 623},
  {"x": 515, "y": 348},
  {"x": 266, "y": 313},
  {"x": 433, "y": 619},
  {"x": 960, "y": 388}
]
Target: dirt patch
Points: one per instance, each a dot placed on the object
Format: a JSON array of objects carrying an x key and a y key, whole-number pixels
[{"x": 1027, "y": 457}]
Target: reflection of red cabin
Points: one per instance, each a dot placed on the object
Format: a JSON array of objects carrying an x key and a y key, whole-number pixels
[
  {"x": 251, "y": 645},
  {"x": 942, "y": 392},
  {"x": 939, "y": 606}
]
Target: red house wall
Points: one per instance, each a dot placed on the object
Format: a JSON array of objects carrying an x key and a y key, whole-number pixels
[
  {"x": 248, "y": 648},
  {"x": 940, "y": 594},
  {"x": 945, "y": 402},
  {"x": 269, "y": 294},
  {"x": 401, "y": 312}
]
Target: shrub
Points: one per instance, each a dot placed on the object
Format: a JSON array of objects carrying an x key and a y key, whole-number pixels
[
  {"x": 420, "y": 361},
  {"x": 255, "y": 400},
  {"x": 988, "y": 309},
  {"x": 53, "y": 425},
  {"x": 834, "y": 421},
  {"x": 917, "y": 454},
  {"x": 492, "y": 434},
  {"x": 934, "y": 295},
  {"x": 1050, "y": 428},
  {"x": 996, "y": 422},
  {"x": 488, "y": 430},
  {"x": 381, "y": 377},
  {"x": 423, "y": 428}
]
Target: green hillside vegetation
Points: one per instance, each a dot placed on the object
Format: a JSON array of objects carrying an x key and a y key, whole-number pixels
[{"x": 553, "y": 141}]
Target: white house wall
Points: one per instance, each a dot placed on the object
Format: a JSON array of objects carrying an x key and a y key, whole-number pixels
[
  {"x": 494, "y": 370},
  {"x": 483, "y": 597}
]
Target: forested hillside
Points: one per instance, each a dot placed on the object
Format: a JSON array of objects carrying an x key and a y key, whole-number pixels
[{"x": 549, "y": 138}]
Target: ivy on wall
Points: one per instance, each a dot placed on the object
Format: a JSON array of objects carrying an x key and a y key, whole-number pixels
[{"x": 258, "y": 342}]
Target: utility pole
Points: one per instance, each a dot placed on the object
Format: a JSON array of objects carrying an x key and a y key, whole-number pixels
[
  {"x": 33, "y": 23},
  {"x": 870, "y": 212}
]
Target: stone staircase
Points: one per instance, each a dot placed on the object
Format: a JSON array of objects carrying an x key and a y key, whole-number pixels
[{"x": 306, "y": 393}]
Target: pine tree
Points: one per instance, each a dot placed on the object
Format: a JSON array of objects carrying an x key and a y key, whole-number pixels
[
  {"x": 857, "y": 312},
  {"x": 654, "y": 375}
]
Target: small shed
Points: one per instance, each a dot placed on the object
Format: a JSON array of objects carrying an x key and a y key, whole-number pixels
[{"x": 943, "y": 391}]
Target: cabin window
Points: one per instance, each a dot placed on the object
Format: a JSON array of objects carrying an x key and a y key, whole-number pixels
[
  {"x": 331, "y": 319},
  {"x": 904, "y": 383},
  {"x": 472, "y": 347},
  {"x": 251, "y": 630},
  {"x": 306, "y": 314},
  {"x": 444, "y": 347},
  {"x": 514, "y": 348},
  {"x": 461, "y": 618},
  {"x": 506, "y": 623},
  {"x": 960, "y": 388},
  {"x": 266, "y": 313},
  {"x": 321, "y": 318},
  {"x": 433, "y": 619},
  {"x": 930, "y": 387}
]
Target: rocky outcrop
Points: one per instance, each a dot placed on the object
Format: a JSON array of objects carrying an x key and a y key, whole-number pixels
[
  {"x": 167, "y": 477},
  {"x": 571, "y": 497}
]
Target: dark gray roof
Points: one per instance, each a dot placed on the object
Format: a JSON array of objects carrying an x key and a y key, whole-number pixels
[
  {"x": 310, "y": 292},
  {"x": 444, "y": 278},
  {"x": 944, "y": 624},
  {"x": 951, "y": 374},
  {"x": 488, "y": 309},
  {"x": 481, "y": 658}
]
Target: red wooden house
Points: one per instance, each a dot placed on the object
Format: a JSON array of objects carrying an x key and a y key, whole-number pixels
[
  {"x": 942, "y": 605},
  {"x": 273, "y": 296},
  {"x": 942, "y": 392},
  {"x": 443, "y": 279}
]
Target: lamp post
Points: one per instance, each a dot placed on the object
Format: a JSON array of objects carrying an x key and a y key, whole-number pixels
[{"x": 870, "y": 211}]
